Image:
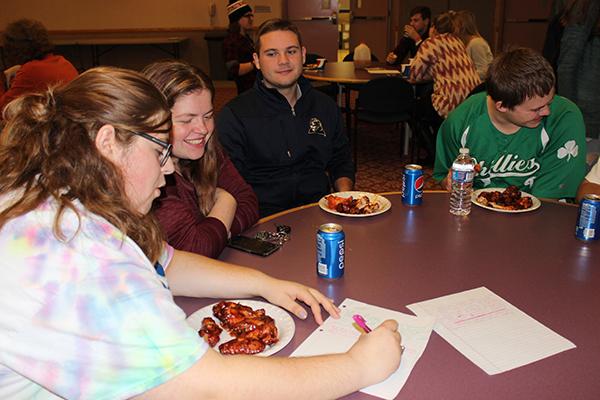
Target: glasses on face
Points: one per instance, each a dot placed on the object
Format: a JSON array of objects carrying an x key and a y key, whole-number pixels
[{"x": 167, "y": 147}]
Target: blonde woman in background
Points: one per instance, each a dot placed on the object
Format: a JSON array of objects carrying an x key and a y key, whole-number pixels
[{"x": 477, "y": 47}]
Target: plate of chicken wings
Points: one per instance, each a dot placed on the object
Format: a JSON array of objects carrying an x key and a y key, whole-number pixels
[
  {"x": 244, "y": 327},
  {"x": 507, "y": 200},
  {"x": 355, "y": 204}
]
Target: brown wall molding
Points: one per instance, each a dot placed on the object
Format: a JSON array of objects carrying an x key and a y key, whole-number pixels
[{"x": 137, "y": 31}]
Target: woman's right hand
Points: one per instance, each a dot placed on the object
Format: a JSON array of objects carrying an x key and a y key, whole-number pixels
[{"x": 378, "y": 353}]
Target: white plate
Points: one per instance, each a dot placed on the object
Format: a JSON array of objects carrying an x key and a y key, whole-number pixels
[
  {"x": 536, "y": 202},
  {"x": 383, "y": 202},
  {"x": 283, "y": 321}
]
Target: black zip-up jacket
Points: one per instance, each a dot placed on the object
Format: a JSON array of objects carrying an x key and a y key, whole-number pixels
[{"x": 290, "y": 156}]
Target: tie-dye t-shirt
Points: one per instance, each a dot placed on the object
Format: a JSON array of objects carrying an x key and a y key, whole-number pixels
[{"x": 87, "y": 317}]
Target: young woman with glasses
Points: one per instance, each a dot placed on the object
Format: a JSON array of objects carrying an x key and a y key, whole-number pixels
[{"x": 87, "y": 308}]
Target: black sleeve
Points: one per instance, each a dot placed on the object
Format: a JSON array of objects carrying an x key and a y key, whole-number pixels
[
  {"x": 403, "y": 49},
  {"x": 231, "y": 135}
]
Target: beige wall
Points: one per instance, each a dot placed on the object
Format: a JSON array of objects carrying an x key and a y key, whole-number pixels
[
  {"x": 177, "y": 17},
  {"x": 127, "y": 14}
]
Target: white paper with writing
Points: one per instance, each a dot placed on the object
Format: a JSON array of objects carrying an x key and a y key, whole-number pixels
[
  {"x": 338, "y": 335},
  {"x": 489, "y": 331},
  {"x": 386, "y": 71}
]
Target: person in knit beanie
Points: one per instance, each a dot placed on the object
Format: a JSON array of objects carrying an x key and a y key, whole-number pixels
[{"x": 238, "y": 46}]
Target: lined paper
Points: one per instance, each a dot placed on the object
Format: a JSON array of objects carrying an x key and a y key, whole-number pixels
[
  {"x": 489, "y": 331},
  {"x": 338, "y": 335}
]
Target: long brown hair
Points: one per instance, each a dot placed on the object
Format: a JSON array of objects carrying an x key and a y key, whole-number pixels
[
  {"x": 465, "y": 26},
  {"x": 174, "y": 79},
  {"x": 47, "y": 149}
]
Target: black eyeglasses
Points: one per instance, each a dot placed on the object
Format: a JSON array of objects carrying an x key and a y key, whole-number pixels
[{"x": 167, "y": 147}]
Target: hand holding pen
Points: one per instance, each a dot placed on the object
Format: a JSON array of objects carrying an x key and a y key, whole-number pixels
[
  {"x": 362, "y": 323},
  {"x": 380, "y": 349}
]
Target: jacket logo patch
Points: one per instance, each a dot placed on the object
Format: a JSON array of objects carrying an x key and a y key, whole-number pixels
[{"x": 315, "y": 127}]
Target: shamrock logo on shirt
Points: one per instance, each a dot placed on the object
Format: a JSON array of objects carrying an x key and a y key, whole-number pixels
[{"x": 570, "y": 149}]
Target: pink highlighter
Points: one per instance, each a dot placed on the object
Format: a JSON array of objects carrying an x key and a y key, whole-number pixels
[{"x": 360, "y": 321}]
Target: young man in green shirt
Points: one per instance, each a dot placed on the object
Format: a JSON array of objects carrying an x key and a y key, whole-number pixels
[{"x": 519, "y": 132}]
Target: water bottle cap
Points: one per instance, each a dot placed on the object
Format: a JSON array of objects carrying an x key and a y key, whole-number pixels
[{"x": 464, "y": 150}]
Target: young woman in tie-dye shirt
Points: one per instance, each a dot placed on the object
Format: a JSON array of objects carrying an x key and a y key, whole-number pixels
[{"x": 86, "y": 310}]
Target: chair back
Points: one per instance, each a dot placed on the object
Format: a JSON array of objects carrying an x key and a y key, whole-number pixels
[
  {"x": 386, "y": 95},
  {"x": 350, "y": 57},
  {"x": 311, "y": 58}
]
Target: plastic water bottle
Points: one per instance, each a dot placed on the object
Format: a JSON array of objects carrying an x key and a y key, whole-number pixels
[{"x": 463, "y": 171}]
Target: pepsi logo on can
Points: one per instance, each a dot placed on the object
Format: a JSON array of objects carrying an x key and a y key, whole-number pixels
[
  {"x": 331, "y": 251},
  {"x": 588, "y": 220},
  {"x": 412, "y": 185}
]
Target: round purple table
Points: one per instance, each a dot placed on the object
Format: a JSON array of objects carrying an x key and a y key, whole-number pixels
[{"x": 411, "y": 254}]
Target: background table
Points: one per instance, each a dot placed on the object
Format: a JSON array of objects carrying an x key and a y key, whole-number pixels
[
  {"x": 347, "y": 75},
  {"x": 406, "y": 255},
  {"x": 169, "y": 44}
]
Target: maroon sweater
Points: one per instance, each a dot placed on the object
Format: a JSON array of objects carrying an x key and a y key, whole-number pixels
[{"x": 185, "y": 226}]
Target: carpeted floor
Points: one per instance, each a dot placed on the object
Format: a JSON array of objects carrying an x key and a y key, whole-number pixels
[{"x": 380, "y": 160}]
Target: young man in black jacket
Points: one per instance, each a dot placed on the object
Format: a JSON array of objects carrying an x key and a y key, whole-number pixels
[
  {"x": 286, "y": 139},
  {"x": 414, "y": 33}
]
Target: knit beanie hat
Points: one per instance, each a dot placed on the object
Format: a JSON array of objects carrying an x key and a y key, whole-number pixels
[{"x": 237, "y": 9}]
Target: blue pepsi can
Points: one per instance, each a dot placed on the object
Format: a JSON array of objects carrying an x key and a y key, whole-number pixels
[
  {"x": 330, "y": 251},
  {"x": 588, "y": 220},
  {"x": 412, "y": 185},
  {"x": 406, "y": 71}
]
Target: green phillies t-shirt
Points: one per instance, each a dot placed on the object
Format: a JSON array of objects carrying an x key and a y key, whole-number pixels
[{"x": 546, "y": 161}]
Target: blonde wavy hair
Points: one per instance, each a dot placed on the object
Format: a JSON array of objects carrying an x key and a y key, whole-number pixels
[{"x": 47, "y": 150}]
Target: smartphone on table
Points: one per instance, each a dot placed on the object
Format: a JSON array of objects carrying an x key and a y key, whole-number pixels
[{"x": 252, "y": 245}]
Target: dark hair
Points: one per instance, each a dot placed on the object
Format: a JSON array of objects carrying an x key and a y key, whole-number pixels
[
  {"x": 276, "y": 24},
  {"x": 445, "y": 22},
  {"x": 25, "y": 40},
  {"x": 174, "y": 79},
  {"x": 47, "y": 150},
  {"x": 517, "y": 75},
  {"x": 423, "y": 10}
]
